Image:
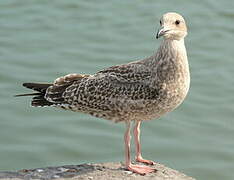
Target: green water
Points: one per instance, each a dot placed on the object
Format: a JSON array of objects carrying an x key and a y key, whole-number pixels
[{"x": 41, "y": 40}]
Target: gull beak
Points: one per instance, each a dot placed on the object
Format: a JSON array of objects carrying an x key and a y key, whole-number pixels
[{"x": 161, "y": 32}]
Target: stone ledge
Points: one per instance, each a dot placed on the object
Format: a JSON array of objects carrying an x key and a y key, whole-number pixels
[{"x": 102, "y": 171}]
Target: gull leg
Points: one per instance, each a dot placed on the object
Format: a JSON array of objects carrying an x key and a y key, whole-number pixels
[
  {"x": 139, "y": 169},
  {"x": 138, "y": 145},
  {"x": 127, "y": 140}
]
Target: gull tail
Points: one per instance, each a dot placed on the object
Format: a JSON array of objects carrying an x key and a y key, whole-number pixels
[{"x": 39, "y": 96}]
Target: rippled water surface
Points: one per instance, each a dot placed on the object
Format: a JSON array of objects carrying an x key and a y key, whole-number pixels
[{"x": 41, "y": 40}]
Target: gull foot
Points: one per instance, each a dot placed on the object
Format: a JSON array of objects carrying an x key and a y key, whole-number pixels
[
  {"x": 140, "y": 169},
  {"x": 140, "y": 159}
]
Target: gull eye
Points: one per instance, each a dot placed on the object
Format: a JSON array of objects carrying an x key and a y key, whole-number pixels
[
  {"x": 177, "y": 22},
  {"x": 160, "y": 22}
]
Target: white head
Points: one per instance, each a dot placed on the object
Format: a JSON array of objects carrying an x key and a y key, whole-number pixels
[{"x": 173, "y": 27}]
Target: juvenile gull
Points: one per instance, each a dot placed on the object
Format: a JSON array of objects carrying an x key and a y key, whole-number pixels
[{"x": 131, "y": 93}]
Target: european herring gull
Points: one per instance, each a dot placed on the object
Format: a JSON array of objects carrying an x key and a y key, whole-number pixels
[{"x": 131, "y": 93}]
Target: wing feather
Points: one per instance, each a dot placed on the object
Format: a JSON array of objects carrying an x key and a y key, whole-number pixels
[{"x": 112, "y": 86}]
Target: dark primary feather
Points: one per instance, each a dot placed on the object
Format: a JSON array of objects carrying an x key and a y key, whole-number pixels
[
  {"x": 28, "y": 94},
  {"x": 38, "y": 99},
  {"x": 40, "y": 87}
]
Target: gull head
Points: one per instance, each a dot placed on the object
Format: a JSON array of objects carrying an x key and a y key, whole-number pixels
[{"x": 172, "y": 26}]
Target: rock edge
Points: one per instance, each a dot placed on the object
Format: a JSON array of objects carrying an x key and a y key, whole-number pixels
[{"x": 105, "y": 171}]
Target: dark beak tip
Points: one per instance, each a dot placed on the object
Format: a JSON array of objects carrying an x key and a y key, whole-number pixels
[{"x": 157, "y": 35}]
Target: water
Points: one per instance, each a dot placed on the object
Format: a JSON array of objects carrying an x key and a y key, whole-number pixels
[{"x": 41, "y": 40}]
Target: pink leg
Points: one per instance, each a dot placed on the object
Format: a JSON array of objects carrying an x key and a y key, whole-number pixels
[
  {"x": 140, "y": 169},
  {"x": 138, "y": 145}
]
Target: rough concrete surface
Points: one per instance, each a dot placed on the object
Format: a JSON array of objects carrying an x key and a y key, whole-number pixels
[{"x": 105, "y": 171}]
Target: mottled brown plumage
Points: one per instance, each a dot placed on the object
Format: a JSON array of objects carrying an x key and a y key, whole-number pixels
[{"x": 137, "y": 91}]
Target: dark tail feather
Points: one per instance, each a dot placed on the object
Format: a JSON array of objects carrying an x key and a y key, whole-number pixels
[
  {"x": 40, "y": 101},
  {"x": 39, "y": 96}
]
